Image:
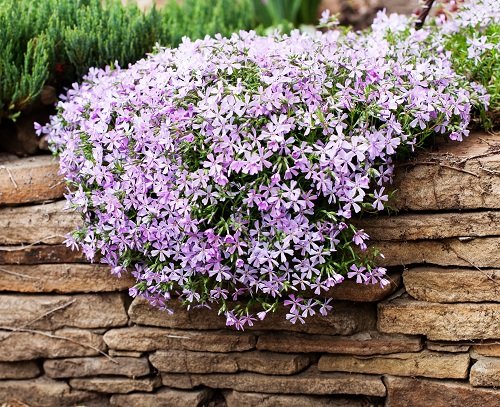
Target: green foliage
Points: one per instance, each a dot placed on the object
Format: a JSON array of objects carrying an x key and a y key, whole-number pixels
[
  {"x": 283, "y": 13},
  {"x": 56, "y": 41}
]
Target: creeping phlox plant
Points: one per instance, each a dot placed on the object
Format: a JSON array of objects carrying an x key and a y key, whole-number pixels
[{"x": 227, "y": 172}]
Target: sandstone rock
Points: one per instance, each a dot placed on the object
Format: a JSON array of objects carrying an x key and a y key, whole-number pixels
[
  {"x": 363, "y": 343},
  {"x": 308, "y": 382},
  {"x": 424, "y": 392},
  {"x": 486, "y": 372},
  {"x": 432, "y": 226},
  {"x": 130, "y": 354},
  {"x": 487, "y": 349},
  {"x": 118, "y": 385},
  {"x": 65, "y": 342},
  {"x": 62, "y": 278},
  {"x": 346, "y": 319},
  {"x": 173, "y": 361},
  {"x": 480, "y": 252},
  {"x": 242, "y": 399},
  {"x": 18, "y": 370},
  {"x": 450, "y": 183},
  {"x": 451, "y": 322},
  {"x": 83, "y": 367},
  {"x": 32, "y": 179},
  {"x": 148, "y": 339},
  {"x": 452, "y": 285},
  {"x": 79, "y": 311},
  {"x": 47, "y": 223},
  {"x": 425, "y": 363},
  {"x": 162, "y": 398},
  {"x": 39, "y": 254},
  {"x": 452, "y": 347},
  {"x": 43, "y": 392}
]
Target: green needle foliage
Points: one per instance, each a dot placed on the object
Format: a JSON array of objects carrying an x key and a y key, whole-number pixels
[{"x": 56, "y": 41}]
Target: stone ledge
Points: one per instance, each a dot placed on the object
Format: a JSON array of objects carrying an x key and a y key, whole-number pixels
[
  {"x": 452, "y": 285},
  {"x": 40, "y": 254},
  {"x": 308, "y": 382},
  {"x": 363, "y": 343},
  {"x": 62, "y": 278},
  {"x": 425, "y": 363},
  {"x": 115, "y": 384},
  {"x": 163, "y": 397},
  {"x": 448, "y": 322}
]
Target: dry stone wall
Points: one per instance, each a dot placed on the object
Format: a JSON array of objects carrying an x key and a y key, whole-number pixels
[{"x": 69, "y": 334}]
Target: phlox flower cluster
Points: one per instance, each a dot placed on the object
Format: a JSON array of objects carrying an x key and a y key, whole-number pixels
[{"x": 227, "y": 172}]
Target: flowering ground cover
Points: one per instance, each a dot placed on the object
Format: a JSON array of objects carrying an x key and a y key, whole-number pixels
[{"x": 227, "y": 171}]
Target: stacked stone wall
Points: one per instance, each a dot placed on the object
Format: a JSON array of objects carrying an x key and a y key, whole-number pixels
[{"x": 70, "y": 335}]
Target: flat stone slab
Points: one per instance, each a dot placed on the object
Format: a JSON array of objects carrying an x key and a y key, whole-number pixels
[
  {"x": 434, "y": 284},
  {"x": 62, "y": 278},
  {"x": 425, "y": 364},
  {"x": 163, "y": 397},
  {"x": 115, "y": 384},
  {"x": 363, "y": 343},
  {"x": 40, "y": 254},
  {"x": 175, "y": 361},
  {"x": 448, "y": 322},
  {"x": 18, "y": 370}
]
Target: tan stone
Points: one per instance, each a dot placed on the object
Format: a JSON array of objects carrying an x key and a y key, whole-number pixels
[
  {"x": 487, "y": 349},
  {"x": 65, "y": 342},
  {"x": 448, "y": 322},
  {"x": 32, "y": 179},
  {"x": 118, "y": 385},
  {"x": 83, "y": 367},
  {"x": 162, "y": 398},
  {"x": 460, "y": 178},
  {"x": 425, "y": 363},
  {"x": 242, "y": 399},
  {"x": 478, "y": 252},
  {"x": 452, "y": 347},
  {"x": 43, "y": 392},
  {"x": 308, "y": 382},
  {"x": 452, "y": 285},
  {"x": 406, "y": 392},
  {"x": 40, "y": 254},
  {"x": 363, "y": 343},
  {"x": 18, "y": 370},
  {"x": 485, "y": 372},
  {"x": 62, "y": 278},
  {"x": 130, "y": 354},
  {"x": 47, "y": 223},
  {"x": 56, "y": 311},
  {"x": 173, "y": 361},
  {"x": 432, "y": 226},
  {"x": 345, "y": 319},
  {"x": 145, "y": 339}
]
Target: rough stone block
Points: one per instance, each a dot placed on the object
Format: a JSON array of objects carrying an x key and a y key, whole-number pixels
[
  {"x": 434, "y": 284},
  {"x": 47, "y": 223},
  {"x": 40, "y": 254},
  {"x": 65, "y": 342},
  {"x": 62, "y": 278},
  {"x": 242, "y": 399},
  {"x": 346, "y": 319},
  {"x": 83, "y": 367},
  {"x": 308, "y": 382},
  {"x": 363, "y": 343},
  {"x": 43, "y": 392},
  {"x": 148, "y": 339},
  {"x": 49, "y": 312},
  {"x": 425, "y": 363},
  {"x": 162, "y": 398},
  {"x": 117, "y": 385},
  {"x": 486, "y": 372},
  {"x": 32, "y": 179},
  {"x": 487, "y": 349},
  {"x": 407, "y": 392},
  {"x": 18, "y": 370},
  {"x": 173, "y": 361},
  {"x": 448, "y": 322}
]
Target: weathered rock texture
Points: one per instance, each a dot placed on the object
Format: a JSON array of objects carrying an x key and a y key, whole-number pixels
[{"x": 69, "y": 334}]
